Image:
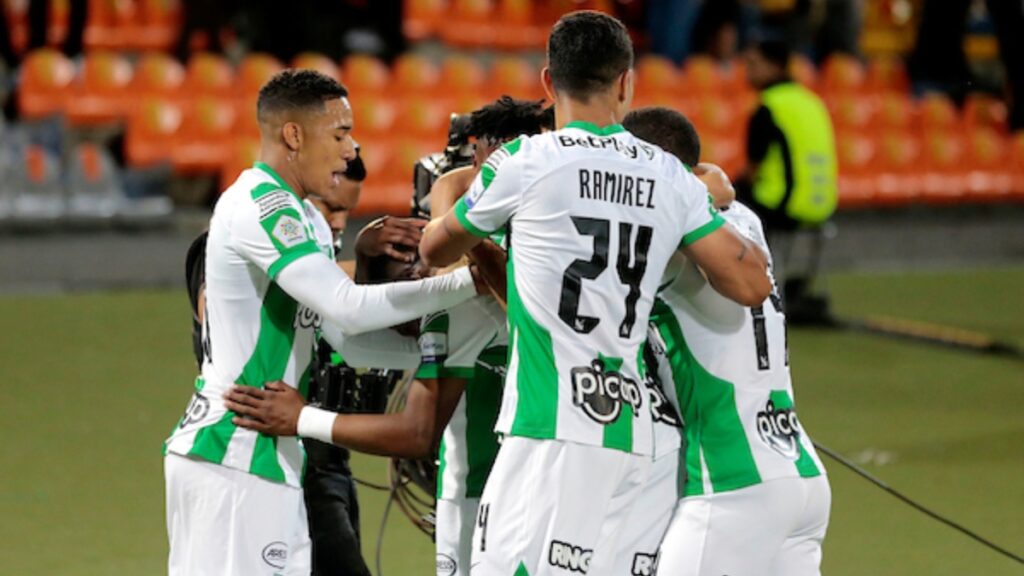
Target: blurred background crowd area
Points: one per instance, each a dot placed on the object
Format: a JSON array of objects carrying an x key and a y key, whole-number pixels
[{"x": 117, "y": 111}]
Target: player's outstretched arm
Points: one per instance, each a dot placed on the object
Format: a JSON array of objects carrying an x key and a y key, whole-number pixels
[
  {"x": 414, "y": 432},
  {"x": 735, "y": 266},
  {"x": 445, "y": 240},
  {"x": 318, "y": 283}
]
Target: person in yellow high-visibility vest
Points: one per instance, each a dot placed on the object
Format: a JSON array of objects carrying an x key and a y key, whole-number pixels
[{"x": 791, "y": 159}]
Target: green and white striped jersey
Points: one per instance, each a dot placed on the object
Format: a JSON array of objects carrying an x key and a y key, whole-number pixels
[
  {"x": 469, "y": 341},
  {"x": 730, "y": 367},
  {"x": 592, "y": 215},
  {"x": 254, "y": 332}
]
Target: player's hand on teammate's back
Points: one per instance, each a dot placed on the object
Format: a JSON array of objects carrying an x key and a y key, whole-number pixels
[
  {"x": 388, "y": 235},
  {"x": 272, "y": 410},
  {"x": 718, "y": 183},
  {"x": 491, "y": 263}
]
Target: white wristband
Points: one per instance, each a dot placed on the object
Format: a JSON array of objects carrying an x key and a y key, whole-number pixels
[{"x": 316, "y": 423}]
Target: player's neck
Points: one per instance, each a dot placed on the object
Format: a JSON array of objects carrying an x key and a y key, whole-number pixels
[
  {"x": 599, "y": 110},
  {"x": 284, "y": 169}
]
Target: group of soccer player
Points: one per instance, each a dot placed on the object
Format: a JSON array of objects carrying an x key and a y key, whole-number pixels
[{"x": 608, "y": 381}]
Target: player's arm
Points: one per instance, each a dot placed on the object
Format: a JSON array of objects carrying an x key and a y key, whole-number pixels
[
  {"x": 449, "y": 187},
  {"x": 734, "y": 265},
  {"x": 278, "y": 409},
  {"x": 718, "y": 183},
  {"x": 484, "y": 209},
  {"x": 272, "y": 234}
]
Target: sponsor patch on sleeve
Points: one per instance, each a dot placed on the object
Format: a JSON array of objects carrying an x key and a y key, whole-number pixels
[
  {"x": 289, "y": 231},
  {"x": 271, "y": 202},
  {"x": 434, "y": 347}
]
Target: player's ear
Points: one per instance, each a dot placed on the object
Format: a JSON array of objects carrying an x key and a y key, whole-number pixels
[
  {"x": 549, "y": 87},
  {"x": 291, "y": 132},
  {"x": 624, "y": 87}
]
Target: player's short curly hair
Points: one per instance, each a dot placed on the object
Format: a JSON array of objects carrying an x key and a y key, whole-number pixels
[
  {"x": 667, "y": 128},
  {"x": 587, "y": 51},
  {"x": 292, "y": 90},
  {"x": 506, "y": 118}
]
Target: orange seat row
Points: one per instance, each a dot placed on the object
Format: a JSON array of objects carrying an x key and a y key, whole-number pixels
[
  {"x": 135, "y": 25},
  {"x": 900, "y": 167}
]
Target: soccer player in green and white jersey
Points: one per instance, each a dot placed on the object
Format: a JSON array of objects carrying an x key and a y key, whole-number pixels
[
  {"x": 576, "y": 202},
  {"x": 234, "y": 502},
  {"x": 756, "y": 499}
]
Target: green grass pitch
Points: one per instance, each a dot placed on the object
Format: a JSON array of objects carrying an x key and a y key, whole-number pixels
[{"x": 91, "y": 384}]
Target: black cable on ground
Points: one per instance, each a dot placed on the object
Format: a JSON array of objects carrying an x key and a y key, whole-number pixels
[{"x": 920, "y": 508}]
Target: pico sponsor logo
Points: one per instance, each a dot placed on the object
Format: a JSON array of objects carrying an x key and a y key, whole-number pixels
[
  {"x": 644, "y": 564},
  {"x": 780, "y": 430},
  {"x": 275, "y": 554},
  {"x": 197, "y": 409},
  {"x": 602, "y": 393},
  {"x": 569, "y": 557},
  {"x": 305, "y": 317},
  {"x": 446, "y": 565}
]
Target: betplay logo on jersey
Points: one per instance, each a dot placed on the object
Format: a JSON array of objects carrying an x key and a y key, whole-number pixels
[
  {"x": 779, "y": 429},
  {"x": 570, "y": 557},
  {"x": 600, "y": 389}
]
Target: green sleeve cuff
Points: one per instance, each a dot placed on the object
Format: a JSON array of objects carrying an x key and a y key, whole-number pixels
[
  {"x": 716, "y": 222},
  {"x": 441, "y": 371},
  {"x": 293, "y": 254},
  {"x": 460, "y": 213}
]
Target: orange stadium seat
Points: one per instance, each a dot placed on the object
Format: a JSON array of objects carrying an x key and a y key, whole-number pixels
[
  {"x": 390, "y": 191},
  {"x": 157, "y": 74},
  {"x": 702, "y": 75},
  {"x": 254, "y": 71},
  {"x": 150, "y": 131},
  {"x": 518, "y": 29},
  {"x": 203, "y": 143},
  {"x": 461, "y": 75},
  {"x": 242, "y": 153},
  {"x": 724, "y": 150},
  {"x": 108, "y": 23},
  {"x": 157, "y": 25},
  {"x": 17, "y": 23},
  {"x": 208, "y": 74},
  {"x": 803, "y": 71},
  {"x": 424, "y": 118},
  {"x": 318, "y": 62},
  {"x": 1017, "y": 162},
  {"x": 516, "y": 77},
  {"x": 937, "y": 112},
  {"x": 887, "y": 74},
  {"x": 45, "y": 80},
  {"x": 719, "y": 115},
  {"x": 853, "y": 111},
  {"x": 896, "y": 111},
  {"x": 372, "y": 117},
  {"x": 842, "y": 73},
  {"x": 423, "y": 18},
  {"x": 944, "y": 179},
  {"x": 57, "y": 19},
  {"x": 985, "y": 111},
  {"x": 365, "y": 75},
  {"x": 414, "y": 76},
  {"x": 376, "y": 153},
  {"x": 990, "y": 170},
  {"x": 470, "y": 23},
  {"x": 657, "y": 75},
  {"x": 100, "y": 94},
  {"x": 246, "y": 123},
  {"x": 857, "y": 180},
  {"x": 898, "y": 168}
]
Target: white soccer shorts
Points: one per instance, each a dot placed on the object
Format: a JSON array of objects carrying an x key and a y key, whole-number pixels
[
  {"x": 225, "y": 522},
  {"x": 649, "y": 519},
  {"x": 454, "y": 535},
  {"x": 555, "y": 508},
  {"x": 770, "y": 529}
]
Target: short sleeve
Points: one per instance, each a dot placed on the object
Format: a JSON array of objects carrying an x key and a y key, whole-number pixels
[
  {"x": 495, "y": 193},
  {"x": 272, "y": 231},
  {"x": 450, "y": 344},
  {"x": 700, "y": 217}
]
